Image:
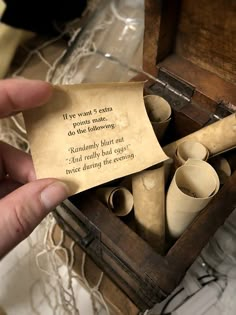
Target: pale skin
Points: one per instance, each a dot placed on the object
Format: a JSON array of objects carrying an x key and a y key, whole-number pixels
[{"x": 24, "y": 201}]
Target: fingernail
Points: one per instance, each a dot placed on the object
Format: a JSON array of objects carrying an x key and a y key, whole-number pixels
[{"x": 54, "y": 194}]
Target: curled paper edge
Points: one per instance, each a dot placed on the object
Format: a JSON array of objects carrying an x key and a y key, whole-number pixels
[
  {"x": 119, "y": 200},
  {"x": 181, "y": 208}
]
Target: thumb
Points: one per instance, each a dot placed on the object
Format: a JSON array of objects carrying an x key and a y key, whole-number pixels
[{"x": 22, "y": 210}]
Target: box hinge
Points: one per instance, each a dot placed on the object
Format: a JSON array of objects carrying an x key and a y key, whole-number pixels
[
  {"x": 176, "y": 91},
  {"x": 223, "y": 110},
  {"x": 78, "y": 227}
]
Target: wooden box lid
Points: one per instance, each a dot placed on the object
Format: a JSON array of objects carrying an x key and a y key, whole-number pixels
[{"x": 193, "y": 41}]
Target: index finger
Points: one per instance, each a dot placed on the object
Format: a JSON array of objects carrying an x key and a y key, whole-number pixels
[{"x": 18, "y": 95}]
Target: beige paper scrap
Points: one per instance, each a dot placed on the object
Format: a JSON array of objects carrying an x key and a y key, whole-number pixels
[
  {"x": 89, "y": 134},
  {"x": 118, "y": 199},
  {"x": 2, "y": 7},
  {"x": 193, "y": 186},
  {"x": 159, "y": 113},
  {"x": 217, "y": 137},
  {"x": 190, "y": 150},
  {"x": 149, "y": 206},
  {"x": 222, "y": 168},
  {"x": 10, "y": 40}
]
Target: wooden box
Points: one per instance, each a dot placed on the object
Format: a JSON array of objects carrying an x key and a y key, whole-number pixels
[{"x": 189, "y": 46}]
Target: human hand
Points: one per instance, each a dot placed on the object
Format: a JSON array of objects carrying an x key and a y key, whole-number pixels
[{"x": 24, "y": 201}]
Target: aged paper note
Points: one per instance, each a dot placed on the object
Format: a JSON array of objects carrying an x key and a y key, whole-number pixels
[{"x": 89, "y": 134}]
